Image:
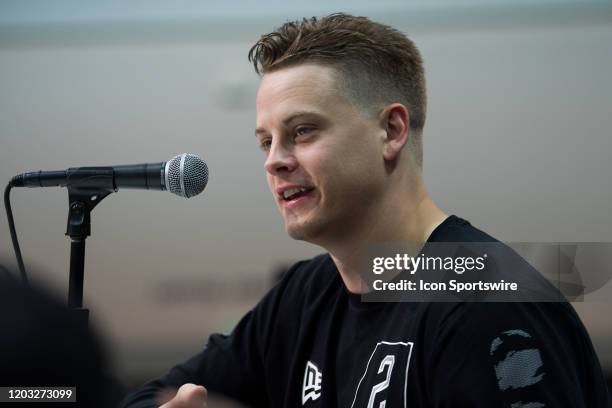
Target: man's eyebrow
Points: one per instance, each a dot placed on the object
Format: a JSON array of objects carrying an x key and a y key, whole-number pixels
[{"x": 291, "y": 118}]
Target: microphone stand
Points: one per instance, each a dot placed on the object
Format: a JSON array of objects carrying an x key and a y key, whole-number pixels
[{"x": 82, "y": 198}]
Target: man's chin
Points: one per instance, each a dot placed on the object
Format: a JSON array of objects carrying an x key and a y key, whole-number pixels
[
  {"x": 296, "y": 232},
  {"x": 300, "y": 231}
]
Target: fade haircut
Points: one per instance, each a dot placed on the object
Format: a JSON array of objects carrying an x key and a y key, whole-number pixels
[{"x": 377, "y": 64}]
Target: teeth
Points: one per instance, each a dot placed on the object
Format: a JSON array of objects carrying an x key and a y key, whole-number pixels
[{"x": 292, "y": 191}]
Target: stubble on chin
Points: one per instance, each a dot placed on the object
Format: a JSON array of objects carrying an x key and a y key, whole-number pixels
[
  {"x": 295, "y": 230},
  {"x": 307, "y": 230},
  {"x": 296, "y": 226}
]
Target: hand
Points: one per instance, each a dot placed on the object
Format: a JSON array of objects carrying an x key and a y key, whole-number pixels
[{"x": 188, "y": 396}]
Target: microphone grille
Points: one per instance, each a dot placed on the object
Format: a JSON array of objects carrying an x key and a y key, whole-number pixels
[{"x": 186, "y": 175}]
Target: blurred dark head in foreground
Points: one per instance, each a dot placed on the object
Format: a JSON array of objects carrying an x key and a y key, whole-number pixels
[{"x": 42, "y": 345}]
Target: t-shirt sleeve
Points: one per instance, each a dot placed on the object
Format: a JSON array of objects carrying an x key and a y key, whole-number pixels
[
  {"x": 515, "y": 355},
  {"x": 231, "y": 365}
]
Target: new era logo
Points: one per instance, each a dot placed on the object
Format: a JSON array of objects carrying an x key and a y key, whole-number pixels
[{"x": 312, "y": 383}]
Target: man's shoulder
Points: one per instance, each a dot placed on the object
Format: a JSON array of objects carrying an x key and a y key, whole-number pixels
[
  {"x": 549, "y": 325},
  {"x": 311, "y": 276},
  {"x": 457, "y": 229},
  {"x": 306, "y": 269},
  {"x": 504, "y": 314}
]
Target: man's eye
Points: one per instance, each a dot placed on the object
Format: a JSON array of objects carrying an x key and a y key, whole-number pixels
[
  {"x": 303, "y": 130},
  {"x": 265, "y": 144}
]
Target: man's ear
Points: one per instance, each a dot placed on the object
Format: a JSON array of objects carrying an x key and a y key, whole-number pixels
[{"x": 396, "y": 122}]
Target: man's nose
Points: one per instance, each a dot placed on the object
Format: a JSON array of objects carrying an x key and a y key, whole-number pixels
[{"x": 280, "y": 160}]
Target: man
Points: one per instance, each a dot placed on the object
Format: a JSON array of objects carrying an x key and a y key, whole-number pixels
[{"x": 340, "y": 115}]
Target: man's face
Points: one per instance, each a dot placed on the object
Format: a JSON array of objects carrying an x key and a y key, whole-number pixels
[{"x": 324, "y": 159}]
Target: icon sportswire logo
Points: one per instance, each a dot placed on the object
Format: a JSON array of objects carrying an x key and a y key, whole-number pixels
[{"x": 311, "y": 389}]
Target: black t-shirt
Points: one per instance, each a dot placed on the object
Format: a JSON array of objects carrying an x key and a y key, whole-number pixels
[{"x": 309, "y": 342}]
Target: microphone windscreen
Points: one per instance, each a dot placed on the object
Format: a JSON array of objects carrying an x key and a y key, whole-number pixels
[{"x": 186, "y": 175}]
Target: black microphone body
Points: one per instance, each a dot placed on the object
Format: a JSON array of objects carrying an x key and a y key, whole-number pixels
[
  {"x": 185, "y": 175},
  {"x": 148, "y": 176}
]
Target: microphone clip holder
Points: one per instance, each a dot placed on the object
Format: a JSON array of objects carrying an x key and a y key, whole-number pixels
[{"x": 86, "y": 188}]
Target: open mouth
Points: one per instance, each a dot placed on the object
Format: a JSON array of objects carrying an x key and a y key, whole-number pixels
[{"x": 295, "y": 193}]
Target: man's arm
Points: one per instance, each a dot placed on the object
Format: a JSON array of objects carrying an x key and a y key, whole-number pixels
[
  {"x": 226, "y": 365},
  {"x": 516, "y": 355},
  {"x": 230, "y": 365}
]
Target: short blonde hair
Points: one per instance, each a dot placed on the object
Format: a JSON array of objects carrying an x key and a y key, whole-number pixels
[{"x": 377, "y": 64}]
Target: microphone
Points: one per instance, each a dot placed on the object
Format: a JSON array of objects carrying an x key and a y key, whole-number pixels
[{"x": 185, "y": 175}]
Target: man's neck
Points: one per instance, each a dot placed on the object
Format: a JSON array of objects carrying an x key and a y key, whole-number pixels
[{"x": 401, "y": 221}]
